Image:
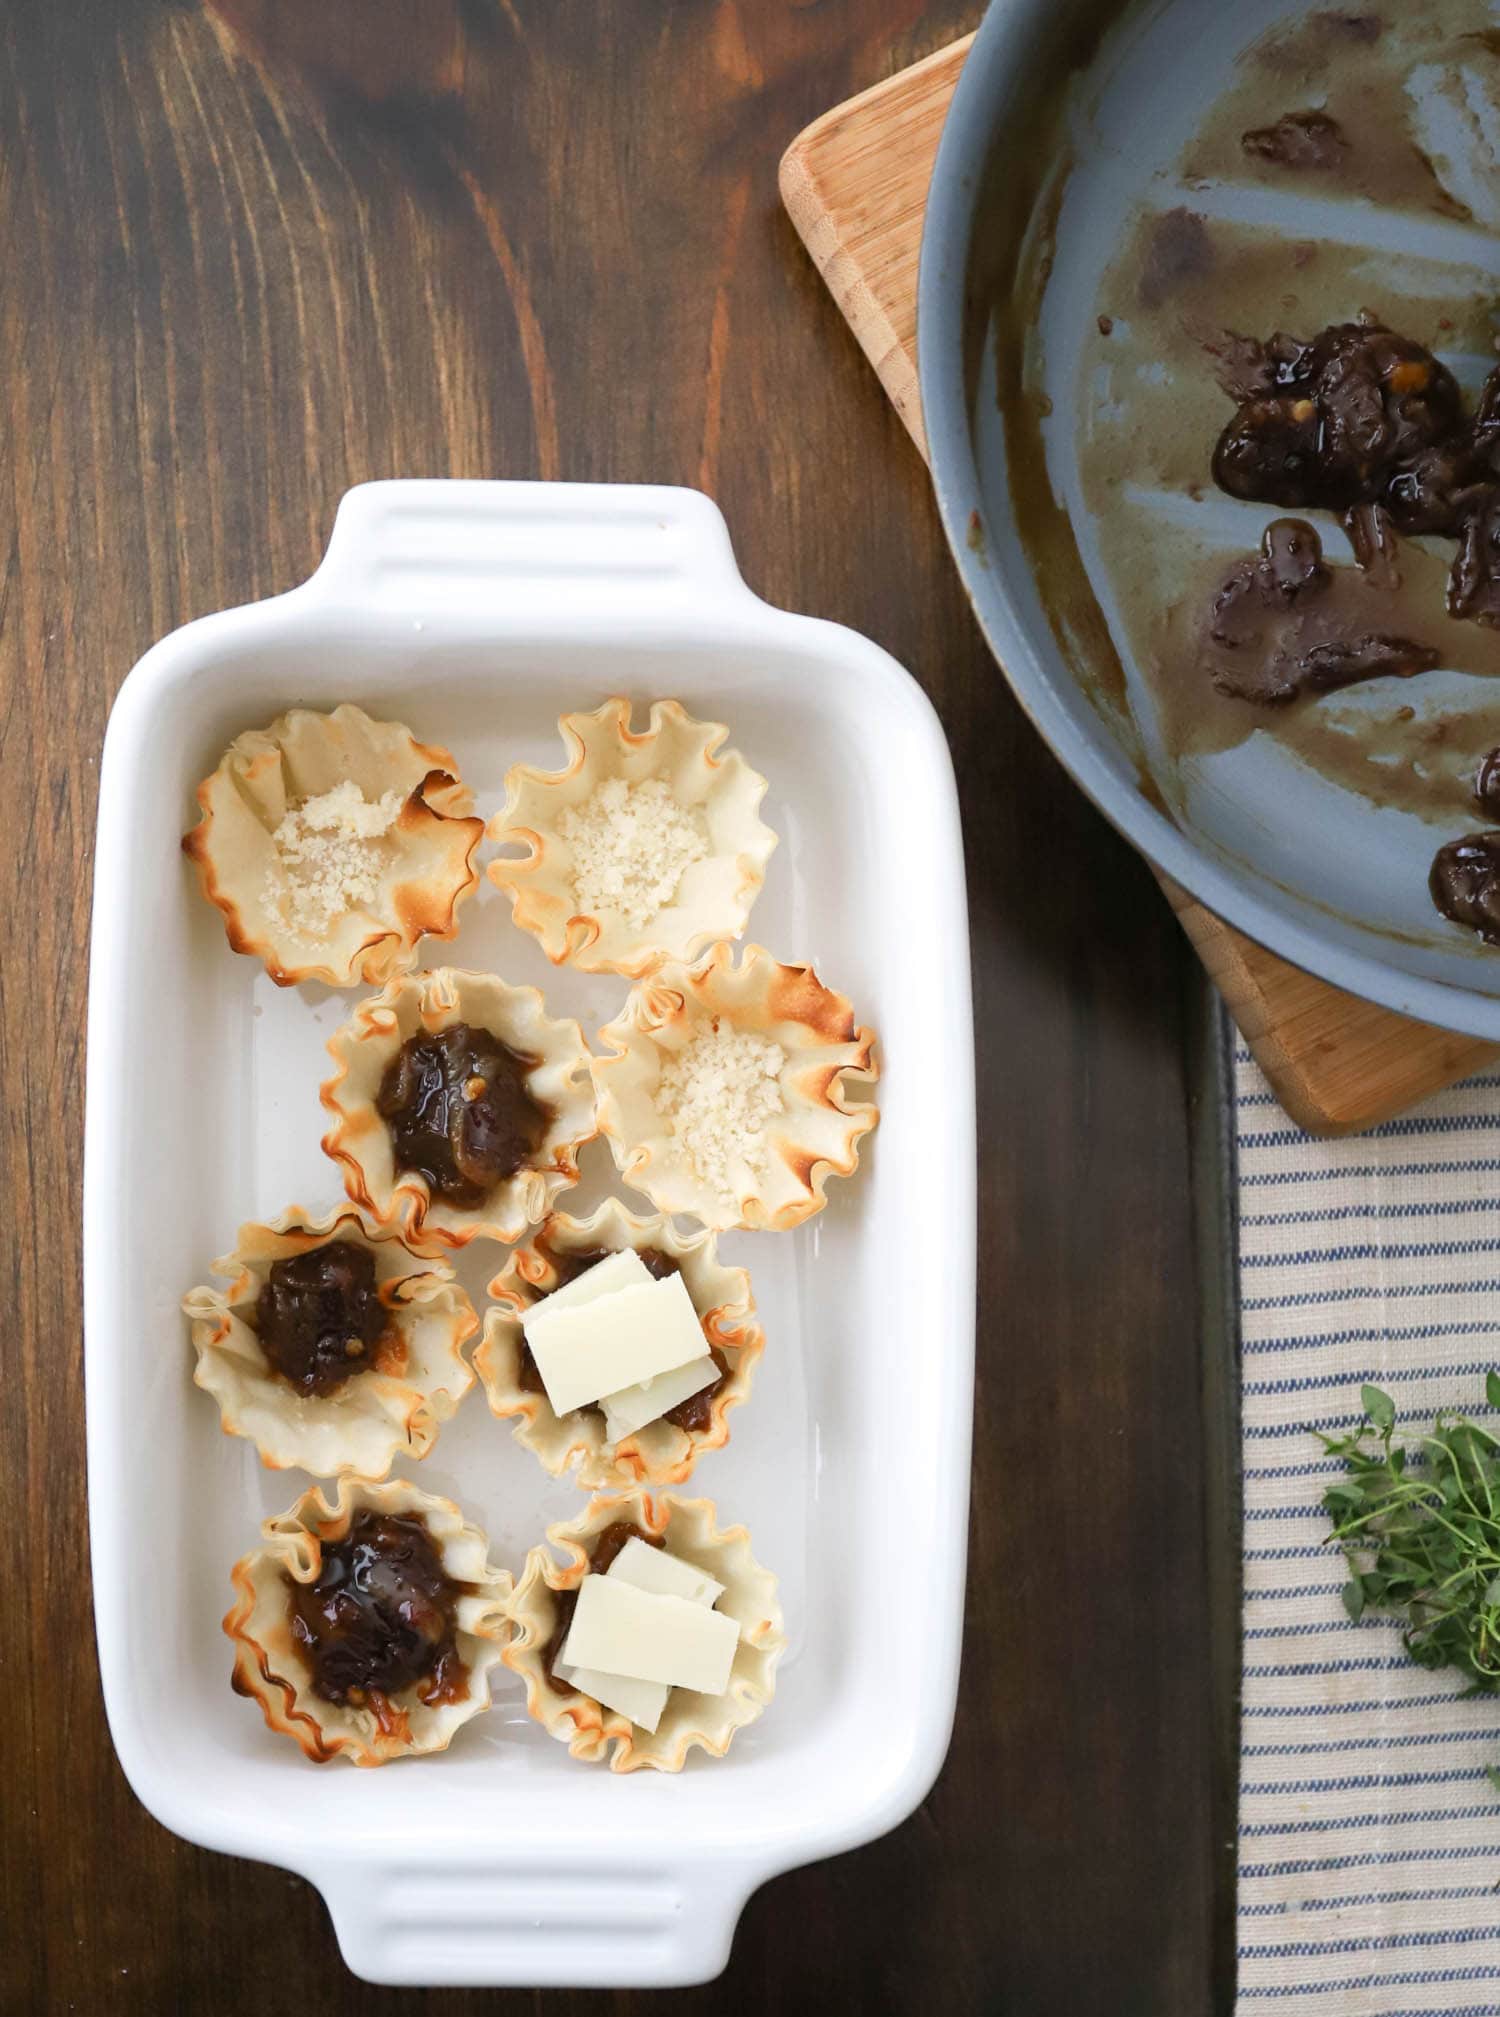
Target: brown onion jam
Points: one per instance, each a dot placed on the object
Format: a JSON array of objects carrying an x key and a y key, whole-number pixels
[
  {"x": 319, "y": 1317},
  {"x": 380, "y": 1615},
  {"x": 460, "y": 1113}
]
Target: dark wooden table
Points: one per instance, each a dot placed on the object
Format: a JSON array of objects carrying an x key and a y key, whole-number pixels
[{"x": 259, "y": 250}]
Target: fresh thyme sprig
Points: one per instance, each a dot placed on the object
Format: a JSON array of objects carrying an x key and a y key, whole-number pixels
[{"x": 1420, "y": 1530}]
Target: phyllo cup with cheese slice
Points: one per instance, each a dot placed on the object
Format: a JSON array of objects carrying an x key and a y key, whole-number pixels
[
  {"x": 685, "y": 1412},
  {"x": 724, "y": 1095},
  {"x": 459, "y": 1107},
  {"x": 646, "y": 846},
  {"x": 333, "y": 1347},
  {"x": 333, "y": 844},
  {"x": 367, "y": 1627},
  {"x": 663, "y": 1558}
]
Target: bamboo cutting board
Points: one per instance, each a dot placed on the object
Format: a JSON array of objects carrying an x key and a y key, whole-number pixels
[{"x": 855, "y": 185}]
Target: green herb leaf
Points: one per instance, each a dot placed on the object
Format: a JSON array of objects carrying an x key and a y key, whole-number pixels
[
  {"x": 1339, "y": 1497},
  {"x": 1492, "y": 1772},
  {"x": 1379, "y": 1408},
  {"x": 1419, "y": 1528},
  {"x": 1492, "y": 1389}
]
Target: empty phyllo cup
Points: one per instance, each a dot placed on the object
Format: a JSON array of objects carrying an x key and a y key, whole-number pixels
[
  {"x": 646, "y": 846},
  {"x": 724, "y": 1094},
  {"x": 332, "y": 1348},
  {"x": 657, "y": 1679},
  {"x": 367, "y": 1628},
  {"x": 333, "y": 844},
  {"x": 459, "y": 1107},
  {"x": 648, "y": 1432}
]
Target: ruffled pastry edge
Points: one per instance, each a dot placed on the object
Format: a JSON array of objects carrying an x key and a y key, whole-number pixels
[
  {"x": 816, "y": 1137},
  {"x": 715, "y": 895},
  {"x": 360, "y": 1142},
  {"x": 377, "y": 1414},
  {"x": 424, "y": 905},
  {"x": 706, "y": 1721},
  {"x": 270, "y": 1670},
  {"x": 661, "y": 1453}
]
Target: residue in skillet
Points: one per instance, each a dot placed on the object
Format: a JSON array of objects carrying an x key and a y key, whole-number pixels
[{"x": 1319, "y": 109}]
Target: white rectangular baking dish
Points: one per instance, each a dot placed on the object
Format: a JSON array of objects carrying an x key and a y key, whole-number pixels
[{"x": 476, "y": 613}]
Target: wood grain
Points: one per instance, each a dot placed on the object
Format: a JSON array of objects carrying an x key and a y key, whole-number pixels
[
  {"x": 855, "y": 185},
  {"x": 1339, "y": 1064},
  {"x": 258, "y": 254}
]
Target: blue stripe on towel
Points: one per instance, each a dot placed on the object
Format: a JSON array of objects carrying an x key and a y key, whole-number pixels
[
  {"x": 1352, "y": 1982},
  {"x": 1300, "y": 1341},
  {"x": 1369, "y": 1208},
  {"x": 1264, "y": 1179},
  {"x": 1326, "y": 1746},
  {"x": 1412, "y": 1127},
  {"x": 1420, "y": 1250},
  {"x": 1358, "y": 1899}
]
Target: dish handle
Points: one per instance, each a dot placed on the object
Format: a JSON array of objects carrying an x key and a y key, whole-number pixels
[
  {"x": 543, "y": 1923},
  {"x": 446, "y": 545}
]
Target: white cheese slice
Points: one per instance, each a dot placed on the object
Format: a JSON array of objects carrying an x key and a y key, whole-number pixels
[
  {"x": 624, "y": 1270},
  {"x": 663, "y": 1575},
  {"x": 619, "y": 1341},
  {"x": 652, "y": 1569},
  {"x": 641, "y": 1701},
  {"x": 621, "y": 1630},
  {"x": 633, "y": 1407}
]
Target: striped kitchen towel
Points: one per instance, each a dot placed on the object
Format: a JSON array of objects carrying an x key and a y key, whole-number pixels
[{"x": 1369, "y": 1836}]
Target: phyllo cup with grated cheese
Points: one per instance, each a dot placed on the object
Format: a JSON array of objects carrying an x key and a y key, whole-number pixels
[
  {"x": 670, "y": 1553},
  {"x": 333, "y": 844},
  {"x": 332, "y": 1348},
  {"x": 724, "y": 1094},
  {"x": 646, "y": 846},
  {"x": 459, "y": 1107},
  {"x": 367, "y": 1627},
  {"x": 664, "y": 1449}
]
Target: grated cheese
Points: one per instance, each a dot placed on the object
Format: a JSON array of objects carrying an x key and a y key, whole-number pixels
[
  {"x": 631, "y": 845},
  {"x": 716, "y": 1095},
  {"x": 331, "y": 852}
]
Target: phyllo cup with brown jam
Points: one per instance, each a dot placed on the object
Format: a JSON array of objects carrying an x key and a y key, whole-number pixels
[
  {"x": 459, "y": 1106},
  {"x": 367, "y": 1627},
  {"x": 333, "y": 1348}
]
